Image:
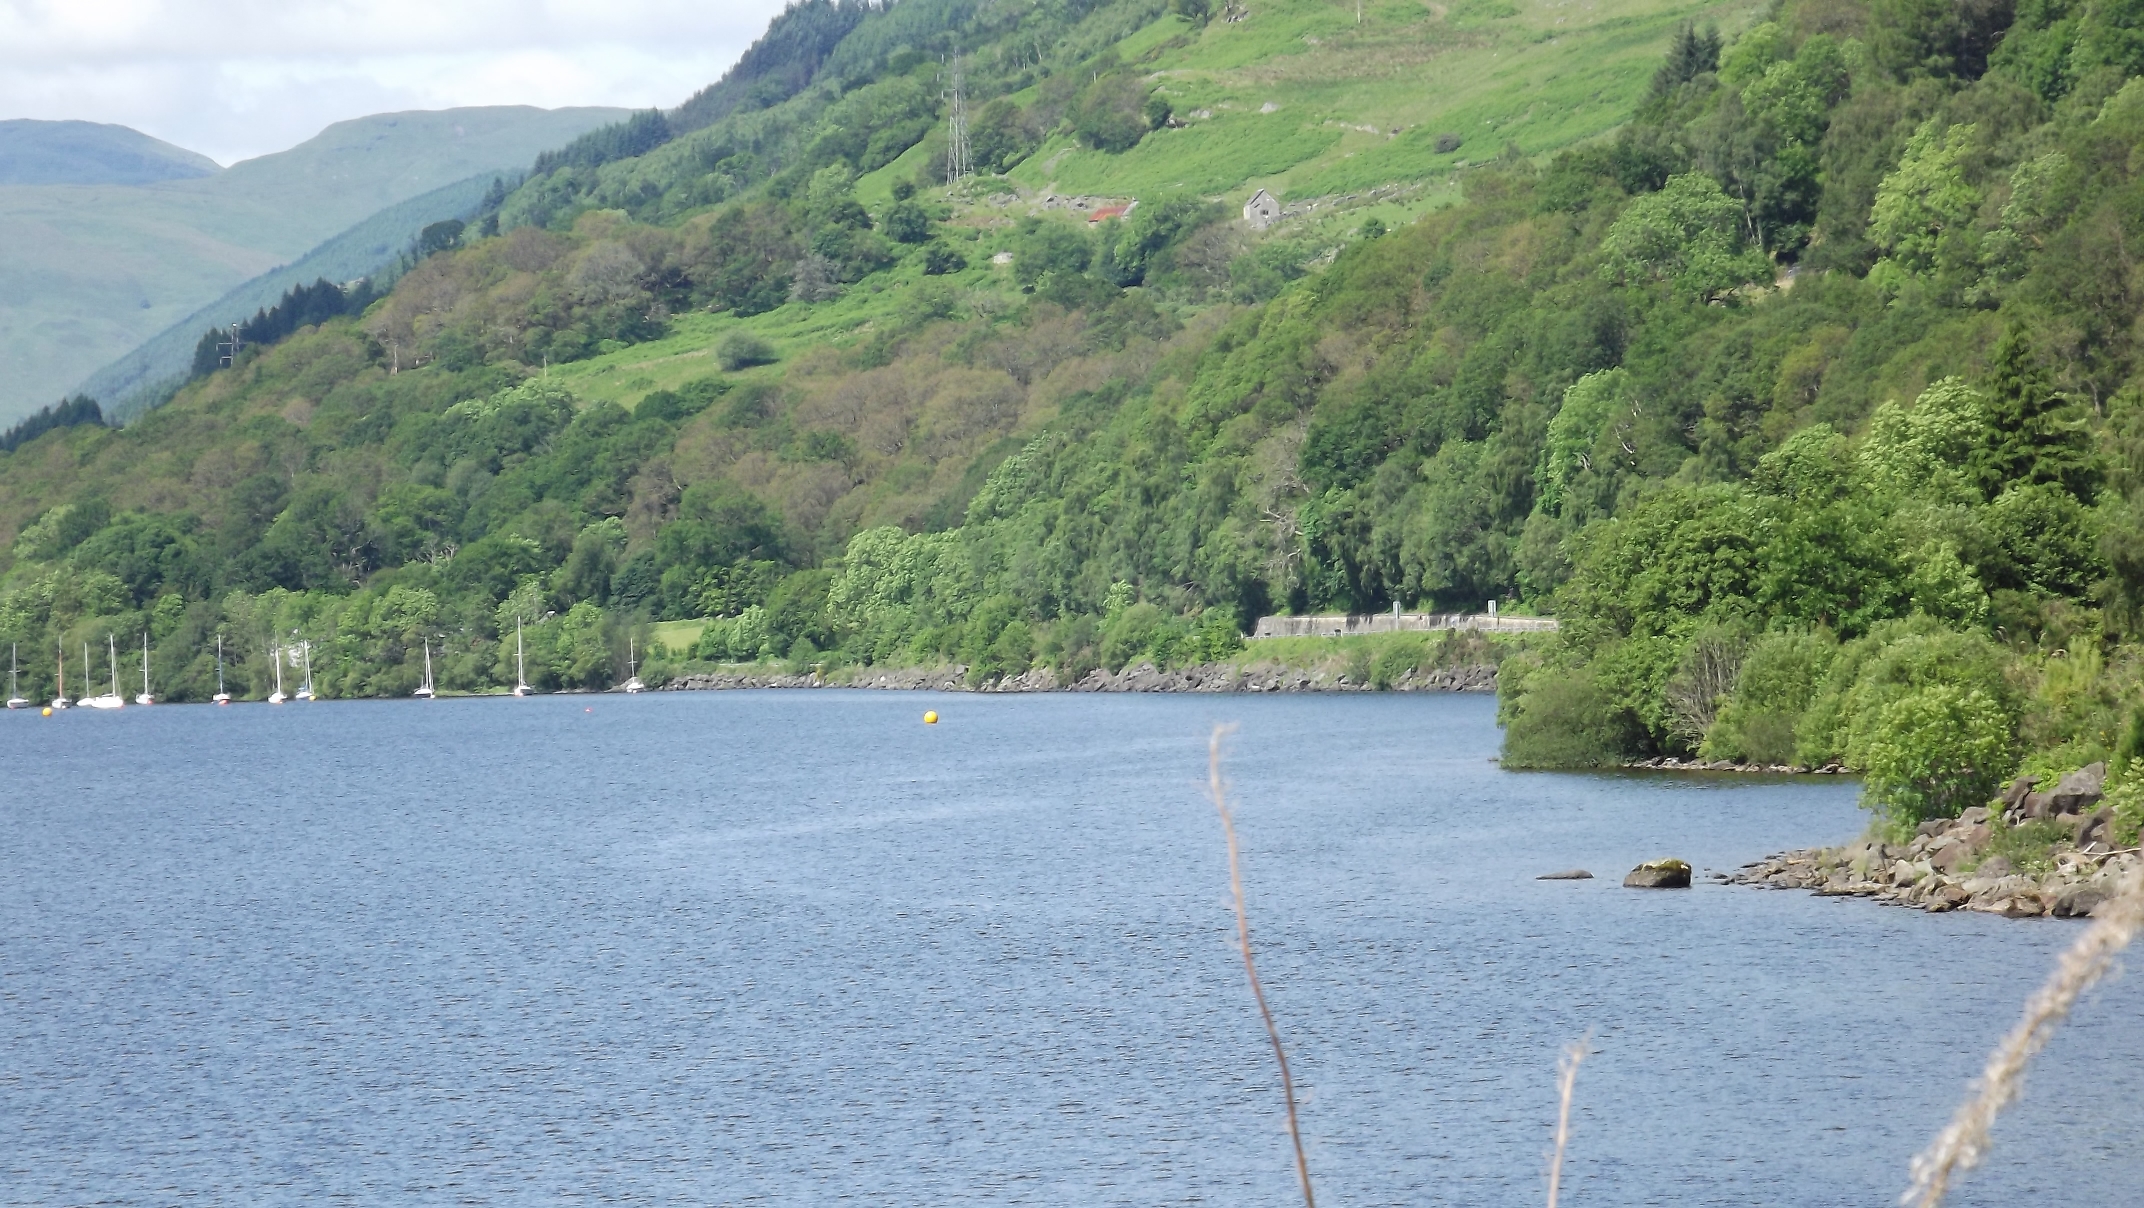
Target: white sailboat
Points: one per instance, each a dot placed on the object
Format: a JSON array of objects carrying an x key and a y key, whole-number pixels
[
  {"x": 145, "y": 698},
  {"x": 14, "y": 668},
  {"x": 222, "y": 697},
  {"x": 424, "y": 690},
  {"x": 110, "y": 699},
  {"x": 521, "y": 675},
  {"x": 275, "y": 656},
  {"x": 60, "y": 701},
  {"x": 305, "y": 690},
  {"x": 632, "y": 667}
]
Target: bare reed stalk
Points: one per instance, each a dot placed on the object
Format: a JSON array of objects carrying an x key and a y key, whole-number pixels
[
  {"x": 1566, "y": 1077},
  {"x": 1216, "y": 788},
  {"x": 1965, "y": 1139}
]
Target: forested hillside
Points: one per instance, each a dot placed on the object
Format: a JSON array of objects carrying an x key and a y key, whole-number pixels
[{"x": 1803, "y": 394}]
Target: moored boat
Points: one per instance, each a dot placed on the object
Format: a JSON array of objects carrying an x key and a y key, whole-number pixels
[
  {"x": 109, "y": 699},
  {"x": 521, "y": 675},
  {"x": 145, "y": 698},
  {"x": 424, "y": 690}
]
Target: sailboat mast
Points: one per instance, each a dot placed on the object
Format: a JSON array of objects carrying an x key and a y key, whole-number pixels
[
  {"x": 145, "y": 662},
  {"x": 219, "y": 664}
]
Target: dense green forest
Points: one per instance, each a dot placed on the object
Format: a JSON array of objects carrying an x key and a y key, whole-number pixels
[{"x": 1807, "y": 398}]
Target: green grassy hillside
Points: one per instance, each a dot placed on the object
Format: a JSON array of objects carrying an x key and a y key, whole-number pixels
[
  {"x": 1307, "y": 102},
  {"x": 99, "y": 268},
  {"x": 1806, "y": 394}
]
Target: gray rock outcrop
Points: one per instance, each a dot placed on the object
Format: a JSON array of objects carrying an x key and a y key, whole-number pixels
[
  {"x": 2081, "y": 790},
  {"x": 1659, "y": 874},
  {"x": 1948, "y": 866}
]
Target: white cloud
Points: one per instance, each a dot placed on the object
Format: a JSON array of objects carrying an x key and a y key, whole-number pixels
[{"x": 238, "y": 78}]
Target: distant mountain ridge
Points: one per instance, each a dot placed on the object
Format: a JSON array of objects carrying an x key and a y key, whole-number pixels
[
  {"x": 92, "y": 153},
  {"x": 151, "y": 371},
  {"x": 96, "y": 269}
]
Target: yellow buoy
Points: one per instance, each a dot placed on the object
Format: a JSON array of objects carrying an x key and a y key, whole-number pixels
[
  {"x": 930, "y": 717},
  {"x": 48, "y": 710}
]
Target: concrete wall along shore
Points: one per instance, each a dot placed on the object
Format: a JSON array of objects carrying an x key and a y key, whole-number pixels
[{"x": 1341, "y": 625}]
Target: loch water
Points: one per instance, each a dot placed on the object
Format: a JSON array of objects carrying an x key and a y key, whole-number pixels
[{"x": 798, "y": 948}]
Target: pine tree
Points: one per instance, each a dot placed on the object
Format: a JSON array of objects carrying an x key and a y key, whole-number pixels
[
  {"x": 1690, "y": 55},
  {"x": 2034, "y": 433},
  {"x": 67, "y": 413},
  {"x": 208, "y": 351},
  {"x": 487, "y": 211}
]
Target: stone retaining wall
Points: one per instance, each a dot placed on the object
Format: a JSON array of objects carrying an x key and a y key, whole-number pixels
[{"x": 1343, "y": 625}]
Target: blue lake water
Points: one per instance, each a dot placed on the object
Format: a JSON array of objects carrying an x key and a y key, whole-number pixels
[{"x": 788, "y": 948}]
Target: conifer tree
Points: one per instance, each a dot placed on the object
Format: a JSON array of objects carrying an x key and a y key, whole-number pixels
[
  {"x": 2034, "y": 433},
  {"x": 1690, "y": 55}
]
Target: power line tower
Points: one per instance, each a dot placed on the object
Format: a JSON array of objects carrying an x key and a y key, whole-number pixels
[
  {"x": 229, "y": 349},
  {"x": 959, "y": 164}
]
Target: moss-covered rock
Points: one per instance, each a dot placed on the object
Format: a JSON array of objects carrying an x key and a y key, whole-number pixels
[{"x": 1659, "y": 874}]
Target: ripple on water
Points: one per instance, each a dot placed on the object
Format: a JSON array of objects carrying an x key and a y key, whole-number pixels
[{"x": 758, "y": 947}]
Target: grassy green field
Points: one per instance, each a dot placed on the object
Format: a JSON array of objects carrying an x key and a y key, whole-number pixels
[
  {"x": 1302, "y": 100},
  {"x": 677, "y": 637}
]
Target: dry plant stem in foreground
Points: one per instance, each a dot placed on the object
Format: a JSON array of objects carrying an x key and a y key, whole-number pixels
[
  {"x": 1566, "y": 1078},
  {"x": 1962, "y": 1142},
  {"x": 1219, "y": 792}
]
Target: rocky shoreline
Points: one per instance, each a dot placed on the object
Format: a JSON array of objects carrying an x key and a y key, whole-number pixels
[
  {"x": 1948, "y": 865},
  {"x": 1668, "y": 763},
  {"x": 1144, "y": 677}
]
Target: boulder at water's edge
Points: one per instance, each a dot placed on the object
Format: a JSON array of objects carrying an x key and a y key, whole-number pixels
[{"x": 1659, "y": 874}]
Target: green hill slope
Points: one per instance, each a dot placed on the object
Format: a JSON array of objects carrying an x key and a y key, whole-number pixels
[
  {"x": 1307, "y": 101},
  {"x": 91, "y": 153},
  {"x": 99, "y": 268},
  {"x": 1806, "y": 395}
]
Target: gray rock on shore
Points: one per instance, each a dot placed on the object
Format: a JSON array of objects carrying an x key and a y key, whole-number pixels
[
  {"x": 1947, "y": 865},
  {"x": 1659, "y": 874},
  {"x": 2076, "y": 793}
]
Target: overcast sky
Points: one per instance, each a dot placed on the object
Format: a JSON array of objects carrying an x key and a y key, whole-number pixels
[{"x": 233, "y": 79}]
